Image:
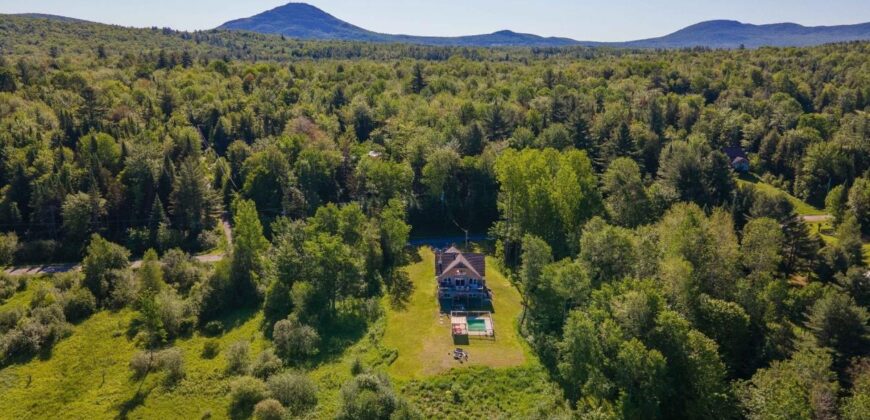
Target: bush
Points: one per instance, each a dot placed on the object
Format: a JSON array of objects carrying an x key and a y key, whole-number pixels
[
  {"x": 371, "y": 397},
  {"x": 125, "y": 291},
  {"x": 268, "y": 410},
  {"x": 237, "y": 356},
  {"x": 294, "y": 340},
  {"x": 172, "y": 312},
  {"x": 171, "y": 361},
  {"x": 295, "y": 391},
  {"x": 44, "y": 327},
  {"x": 9, "y": 319},
  {"x": 8, "y": 248},
  {"x": 180, "y": 270},
  {"x": 356, "y": 367},
  {"x": 208, "y": 239},
  {"x": 78, "y": 304},
  {"x": 8, "y": 286},
  {"x": 245, "y": 392},
  {"x": 214, "y": 328},
  {"x": 266, "y": 364},
  {"x": 141, "y": 364},
  {"x": 210, "y": 348},
  {"x": 101, "y": 268}
]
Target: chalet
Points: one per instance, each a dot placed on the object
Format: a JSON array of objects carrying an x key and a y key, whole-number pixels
[
  {"x": 738, "y": 159},
  {"x": 461, "y": 277}
]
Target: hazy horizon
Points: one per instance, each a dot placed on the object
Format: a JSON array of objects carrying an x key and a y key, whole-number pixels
[{"x": 616, "y": 20}]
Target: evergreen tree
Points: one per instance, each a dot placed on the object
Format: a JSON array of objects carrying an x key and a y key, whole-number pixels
[{"x": 418, "y": 81}]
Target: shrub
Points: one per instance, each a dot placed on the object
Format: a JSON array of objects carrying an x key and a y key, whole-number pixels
[
  {"x": 141, "y": 364},
  {"x": 125, "y": 288},
  {"x": 294, "y": 340},
  {"x": 101, "y": 265},
  {"x": 266, "y": 364},
  {"x": 237, "y": 356},
  {"x": 8, "y": 248},
  {"x": 356, "y": 367},
  {"x": 208, "y": 239},
  {"x": 41, "y": 330},
  {"x": 268, "y": 410},
  {"x": 171, "y": 361},
  {"x": 245, "y": 392},
  {"x": 9, "y": 319},
  {"x": 210, "y": 348},
  {"x": 214, "y": 328},
  {"x": 78, "y": 304},
  {"x": 172, "y": 312},
  {"x": 15, "y": 344},
  {"x": 8, "y": 286},
  {"x": 43, "y": 296},
  {"x": 180, "y": 270},
  {"x": 295, "y": 391},
  {"x": 371, "y": 397}
]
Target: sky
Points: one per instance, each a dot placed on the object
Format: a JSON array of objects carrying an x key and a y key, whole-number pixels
[{"x": 601, "y": 20}]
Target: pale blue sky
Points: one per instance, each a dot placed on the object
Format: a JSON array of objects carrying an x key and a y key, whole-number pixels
[{"x": 601, "y": 20}]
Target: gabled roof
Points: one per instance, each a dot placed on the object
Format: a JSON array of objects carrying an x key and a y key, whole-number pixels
[
  {"x": 461, "y": 262},
  {"x": 452, "y": 250},
  {"x": 451, "y": 258}
]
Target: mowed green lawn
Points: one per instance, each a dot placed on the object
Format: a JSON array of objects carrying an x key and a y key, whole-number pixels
[{"x": 423, "y": 338}]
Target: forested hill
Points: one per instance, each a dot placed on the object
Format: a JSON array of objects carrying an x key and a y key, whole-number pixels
[
  {"x": 731, "y": 34},
  {"x": 634, "y": 273},
  {"x": 303, "y": 21}
]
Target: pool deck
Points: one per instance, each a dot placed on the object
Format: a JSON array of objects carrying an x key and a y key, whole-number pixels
[{"x": 460, "y": 323}]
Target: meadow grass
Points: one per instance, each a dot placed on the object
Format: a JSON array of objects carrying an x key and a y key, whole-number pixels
[
  {"x": 801, "y": 207},
  {"x": 86, "y": 375},
  {"x": 21, "y": 300}
]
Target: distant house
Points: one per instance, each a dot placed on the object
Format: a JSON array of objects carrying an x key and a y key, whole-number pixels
[
  {"x": 738, "y": 159},
  {"x": 461, "y": 277}
]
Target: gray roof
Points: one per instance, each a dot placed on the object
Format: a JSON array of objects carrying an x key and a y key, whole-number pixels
[{"x": 448, "y": 259}]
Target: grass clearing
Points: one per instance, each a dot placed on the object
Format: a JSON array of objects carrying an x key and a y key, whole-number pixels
[
  {"x": 801, "y": 207},
  {"x": 21, "y": 299},
  {"x": 86, "y": 376},
  {"x": 423, "y": 338}
]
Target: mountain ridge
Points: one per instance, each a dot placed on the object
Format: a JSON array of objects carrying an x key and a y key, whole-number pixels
[{"x": 304, "y": 21}]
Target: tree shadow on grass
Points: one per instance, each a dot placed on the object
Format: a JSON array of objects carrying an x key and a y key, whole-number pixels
[
  {"x": 346, "y": 328},
  {"x": 412, "y": 255},
  {"x": 137, "y": 400},
  {"x": 236, "y": 318},
  {"x": 400, "y": 289}
]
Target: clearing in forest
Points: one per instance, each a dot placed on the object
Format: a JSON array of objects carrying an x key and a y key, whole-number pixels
[{"x": 422, "y": 335}]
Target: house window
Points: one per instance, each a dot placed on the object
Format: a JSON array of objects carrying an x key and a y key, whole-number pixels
[{"x": 460, "y": 282}]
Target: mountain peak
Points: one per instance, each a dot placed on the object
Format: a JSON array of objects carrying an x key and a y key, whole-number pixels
[{"x": 304, "y": 21}]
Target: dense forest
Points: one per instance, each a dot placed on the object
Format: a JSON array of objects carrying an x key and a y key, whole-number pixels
[{"x": 656, "y": 281}]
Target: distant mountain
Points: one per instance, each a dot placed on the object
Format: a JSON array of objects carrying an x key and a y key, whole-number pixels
[
  {"x": 303, "y": 21},
  {"x": 732, "y": 34}
]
